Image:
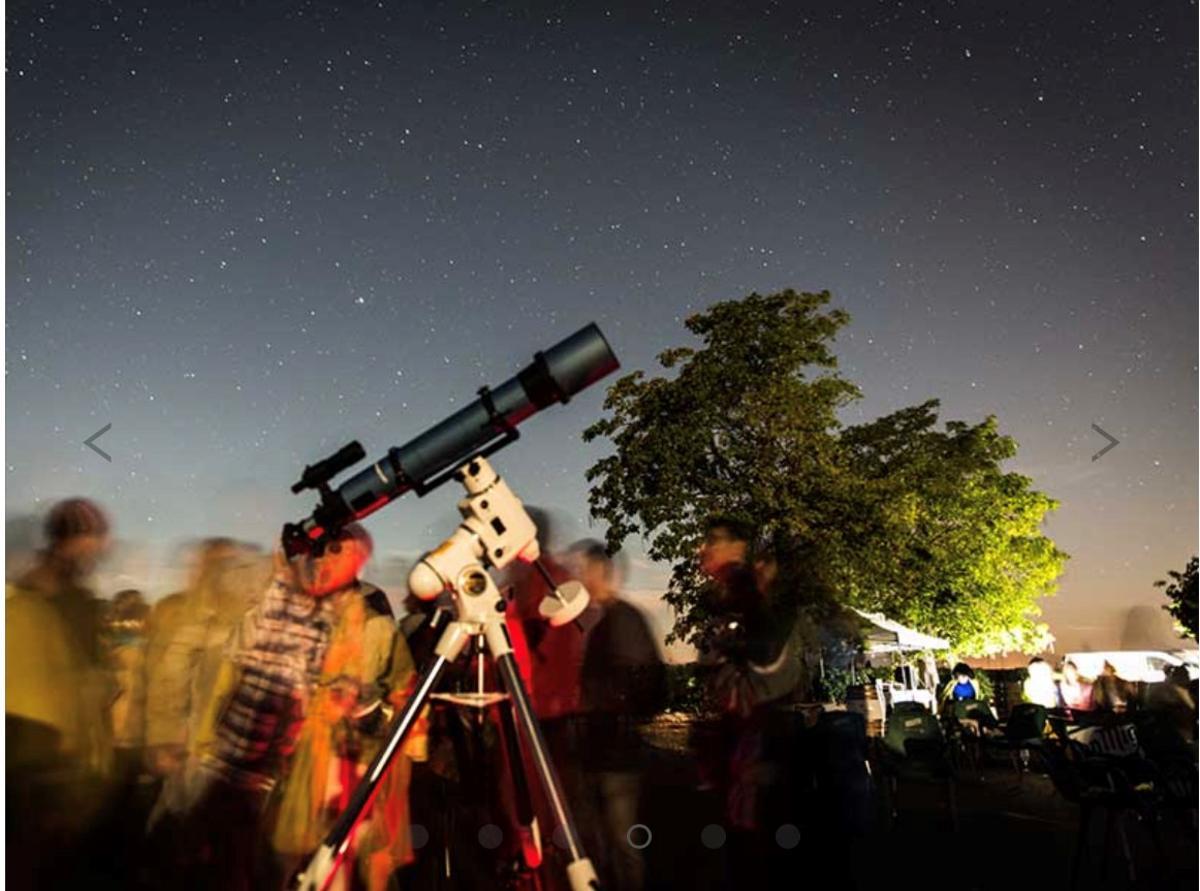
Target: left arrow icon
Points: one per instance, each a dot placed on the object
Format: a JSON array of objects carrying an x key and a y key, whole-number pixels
[{"x": 90, "y": 442}]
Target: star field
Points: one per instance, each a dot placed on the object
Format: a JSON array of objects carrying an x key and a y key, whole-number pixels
[{"x": 245, "y": 235}]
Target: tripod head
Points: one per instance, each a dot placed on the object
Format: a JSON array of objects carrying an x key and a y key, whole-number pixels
[{"x": 496, "y": 530}]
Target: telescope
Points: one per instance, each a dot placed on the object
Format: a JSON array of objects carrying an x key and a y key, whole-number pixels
[{"x": 422, "y": 464}]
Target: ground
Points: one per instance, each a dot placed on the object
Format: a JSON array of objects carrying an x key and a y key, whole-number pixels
[{"x": 1015, "y": 831}]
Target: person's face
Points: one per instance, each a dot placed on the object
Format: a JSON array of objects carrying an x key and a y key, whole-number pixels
[
  {"x": 720, "y": 550},
  {"x": 962, "y": 678},
  {"x": 334, "y": 569},
  {"x": 81, "y": 554},
  {"x": 597, "y": 578}
]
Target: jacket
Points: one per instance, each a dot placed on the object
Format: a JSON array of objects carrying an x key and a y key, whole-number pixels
[
  {"x": 55, "y": 678},
  {"x": 365, "y": 677}
]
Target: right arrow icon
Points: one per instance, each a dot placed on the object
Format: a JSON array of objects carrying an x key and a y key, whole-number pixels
[{"x": 1113, "y": 442}]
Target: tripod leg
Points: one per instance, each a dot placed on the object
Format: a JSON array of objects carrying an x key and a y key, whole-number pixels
[
  {"x": 531, "y": 843},
  {"x": 325, "y": 862},
  {"x": 580, "y": 872}
]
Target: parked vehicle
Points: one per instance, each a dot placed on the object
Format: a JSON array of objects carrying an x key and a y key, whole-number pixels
[
  {"x": 1145, "y": 666},
  {"x": 1190, "y": 658}
]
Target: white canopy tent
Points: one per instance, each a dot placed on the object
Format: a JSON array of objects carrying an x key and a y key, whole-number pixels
[{"x": 884, "y": 635}]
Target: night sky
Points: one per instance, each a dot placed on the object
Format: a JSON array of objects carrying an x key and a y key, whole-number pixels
[{"x": 244, "y": 235}]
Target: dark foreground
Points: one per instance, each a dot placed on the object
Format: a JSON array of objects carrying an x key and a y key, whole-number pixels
[{"x": 1015, "y": 832}]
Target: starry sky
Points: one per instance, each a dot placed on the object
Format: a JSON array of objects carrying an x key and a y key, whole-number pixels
[{"x": 244, "y": 234}]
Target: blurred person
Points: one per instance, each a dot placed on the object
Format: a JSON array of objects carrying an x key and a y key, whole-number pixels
[
  {"x": 167, "y": 612},
  {"x": 757, "y": 669},
  {"x": 723, "y": 556},
  {"x": 754, "y": 596},
  {"x": 553, "y": 656},
  {"x": 1181, "y": 678},
  {"x": 928, "y": 674},
  {"x": 549, "y": 661},
  {"x": 58, "y": 687},
  {"x": 623, "y": 683},
  {"x": 1111, "y": 693},
  {"x": 1038, "y": 686},
  {"x": 1073, "y": 691},
  {"x": 125, "y": 642},
  {"x": 772, "y": 664},
  {"x": 300, "y": 706},
  {"x": 1172, "y": 692},
  {"x": 1170, "y": 702},
  {"x": 189, "y": 630}
]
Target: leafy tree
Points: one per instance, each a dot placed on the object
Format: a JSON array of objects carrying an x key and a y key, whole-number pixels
[
  {"x": 894, "y": 515},
  {"x": 943, "y": 538},
  {"x": 1181, "y": 591},
  {"x": 745, "y": 427}
]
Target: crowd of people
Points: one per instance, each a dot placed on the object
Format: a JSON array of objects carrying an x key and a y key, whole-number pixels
[
  {"x": 1106, "y": 699},
  {"x": 1108, "y": 692},
  {"x": 1067, "y": 689},
  {"x": 210, "y": 739}
]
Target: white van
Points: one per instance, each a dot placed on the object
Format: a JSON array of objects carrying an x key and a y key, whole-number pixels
[
  {"x": 1147, "y": 666},
  {"x": 1190, "y": 658}
]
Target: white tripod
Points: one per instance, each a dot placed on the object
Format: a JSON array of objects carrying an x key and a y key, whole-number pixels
[{"x": 494, "y": 532}]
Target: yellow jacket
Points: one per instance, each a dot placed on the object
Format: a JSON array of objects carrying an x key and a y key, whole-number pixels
[{"x": 51, "y": 681}]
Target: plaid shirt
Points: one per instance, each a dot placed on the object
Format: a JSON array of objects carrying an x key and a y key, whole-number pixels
[{"x": 279, "y": 650}]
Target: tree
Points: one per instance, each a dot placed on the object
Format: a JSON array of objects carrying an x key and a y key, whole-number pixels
[
  {"x": 745, "y": 427},
  {"x": 944, "y": 539},
  {"x": 1181, "y": 591},
  {"x": 894, "y": 515}
]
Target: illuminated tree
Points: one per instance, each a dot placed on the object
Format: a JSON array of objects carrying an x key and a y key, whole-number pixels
[
  {"x": 945, "y": 539},
  {"x": 895, "y": 515}
]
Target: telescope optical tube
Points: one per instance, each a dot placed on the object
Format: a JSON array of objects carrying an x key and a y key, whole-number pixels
[{"x": 555, "y": 375}]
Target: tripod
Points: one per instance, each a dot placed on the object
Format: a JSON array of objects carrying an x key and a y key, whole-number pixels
[
  {"x": 495, "y": 531},
  {"x": 478, "y": 788}
]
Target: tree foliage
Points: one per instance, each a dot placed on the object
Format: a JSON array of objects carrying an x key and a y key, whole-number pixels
[
  {"x": 1181, "y": 591},
  {"x": 894, "y": 515},
  {"x": 947, "y": 540}
]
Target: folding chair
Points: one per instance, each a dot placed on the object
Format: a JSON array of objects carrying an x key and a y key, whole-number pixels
[
  {"x": 914, "y": 748},
  {"x": 1023, "y": 734}
]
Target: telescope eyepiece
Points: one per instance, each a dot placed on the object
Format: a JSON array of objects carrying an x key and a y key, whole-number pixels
[{"x": 318, "y": 475}]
